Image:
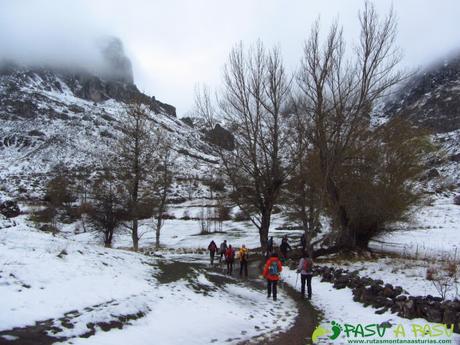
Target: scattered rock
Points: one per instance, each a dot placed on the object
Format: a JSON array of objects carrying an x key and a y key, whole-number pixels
[
  {"x": 381, "y": 311},
  {"x": 9, "y": 209}
]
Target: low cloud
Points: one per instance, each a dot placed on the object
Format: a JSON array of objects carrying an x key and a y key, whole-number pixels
[
  {"x": 174, "y": 44},
  {"x": 58, "y": 33}
]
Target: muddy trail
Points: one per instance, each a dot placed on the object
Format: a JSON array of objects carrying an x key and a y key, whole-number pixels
[
  {"x": 307, "y": 316},
  {"x": 305, "y": 322}
]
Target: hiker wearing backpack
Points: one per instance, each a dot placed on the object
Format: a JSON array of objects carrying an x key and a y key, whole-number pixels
[
  {"x": 269, "y": 247},
  {"x": 243, "y": 256},
  {"x": 303, "y": 242},
  {"x": 229, "y": 258},
  {"x": 284, "y": 248},
  {"x": 222, "y": 250},
  {"x": 212, "y": 250},
  {"x": 305, "y": 269},
  {"x": 271, "y": 272}
]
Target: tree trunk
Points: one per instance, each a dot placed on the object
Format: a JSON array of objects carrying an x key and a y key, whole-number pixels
[
  {"x": 308, "y": 236},
  {"x": 135, "y": 235},
  {"x": 160, "y": 220},
  {"x": 108, "y": 238},
  {"x": 157, "y": 231},
  {"x": 263, "y": 230},
  {"x": 362, "y": 241},
  {"x": 346, "y": 238}
]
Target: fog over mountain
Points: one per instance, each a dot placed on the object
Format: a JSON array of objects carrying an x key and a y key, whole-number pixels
[{"x": 174, "y": 44}]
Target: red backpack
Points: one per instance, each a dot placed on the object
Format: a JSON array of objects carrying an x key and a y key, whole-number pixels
[
  {"x": 230, "y": 254},
  {"x": 307, "y": 263}
]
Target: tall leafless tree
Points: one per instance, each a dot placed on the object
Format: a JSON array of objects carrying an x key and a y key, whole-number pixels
[
  {"x": 163, "y": 179},
  {"x": 337, "y": 94},
  {"x": 256, "y": 89},
  {"x": 135, "y": 162}
]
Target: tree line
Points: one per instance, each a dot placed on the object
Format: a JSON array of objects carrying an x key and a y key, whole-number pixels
[
  {"x": 132, "y": 181},
  {"x": 307, "y": 141}
]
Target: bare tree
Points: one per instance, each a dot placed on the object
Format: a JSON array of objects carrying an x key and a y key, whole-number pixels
[
  {"x": 135, "y": 162},
  {"x": 204, "y": 106},
  {"x": 302, "y": 197},
  {"x": 107, "y": 209},
  {"x": 205, "y": 220},
  {"x": 162, "y": 182},
  {"x": 255, "y": 92},
  {"x": 337, "y": 96}
]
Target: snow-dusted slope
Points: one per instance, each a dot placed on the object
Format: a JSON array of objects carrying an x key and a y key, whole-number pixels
[{"x": 53, "y": 117}]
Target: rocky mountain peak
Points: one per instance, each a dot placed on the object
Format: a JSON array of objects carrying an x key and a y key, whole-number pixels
[
  {"x": 431, "y": 99},
  {"x": 108, "y": 79},
  {"x": 118, "y": 65}
]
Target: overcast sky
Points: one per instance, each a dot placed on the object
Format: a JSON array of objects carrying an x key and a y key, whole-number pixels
[{"x": 175, "y": 44}]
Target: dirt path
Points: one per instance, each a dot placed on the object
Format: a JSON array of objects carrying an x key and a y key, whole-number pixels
[{"x": 306, "y": 320}]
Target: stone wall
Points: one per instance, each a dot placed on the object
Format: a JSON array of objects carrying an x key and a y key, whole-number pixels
[{"x": 386, "y": 297}]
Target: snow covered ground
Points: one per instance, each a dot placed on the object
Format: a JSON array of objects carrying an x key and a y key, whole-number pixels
[
  {"x": 71, "y": 280},
  {"x": 433, "y": 232},
  {"x": 44, "y": 276},
  {"x": 338, "y": 306},
  {"x": 73, "y": 284},
  {"x": 408, "y": 273},
  {"x": 179, "y": 233}
]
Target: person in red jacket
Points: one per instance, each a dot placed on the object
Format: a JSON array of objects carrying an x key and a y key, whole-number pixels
[
  {"x": 229, "y": 258},
  {"x": 271, "y": 272}
]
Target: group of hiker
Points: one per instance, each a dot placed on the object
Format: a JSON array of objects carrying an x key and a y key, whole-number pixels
[
  {"x": 228, "y": 253},
  {"x": 273, "y": 265},
  {"x": 284, "y": 248}
]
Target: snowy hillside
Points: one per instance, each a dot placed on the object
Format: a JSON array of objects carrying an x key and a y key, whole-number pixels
[
  {"x": 56, "y": 117},
  {"x": 431, "y": 97}
]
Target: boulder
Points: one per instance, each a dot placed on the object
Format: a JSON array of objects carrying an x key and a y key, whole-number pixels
[
  {"x": 401, "y": 298},
  {"x": 398, "y": 290},
  {"x": 433, "y": 173},
  {"x": 341, "y": 281},
  {"x": 432, "y": 312},
  {"x": 455, "y": 157},
  {"x": 381, "y": 301},
  {"x": 9, "y": 209},
  {"x": 221, "y": 137},
  {"x": 381, "y": 311},
  {"x": 457, "y": 200},
  {"x": 408, "y": 309}
]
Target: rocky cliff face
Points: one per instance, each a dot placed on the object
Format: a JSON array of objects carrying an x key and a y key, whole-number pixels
[
  {"x": 53, "y": 117},
  {"x": 431, "y": 99}
]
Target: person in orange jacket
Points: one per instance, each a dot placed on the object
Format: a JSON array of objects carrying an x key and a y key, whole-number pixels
[{"x": 271, "y": 272}]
